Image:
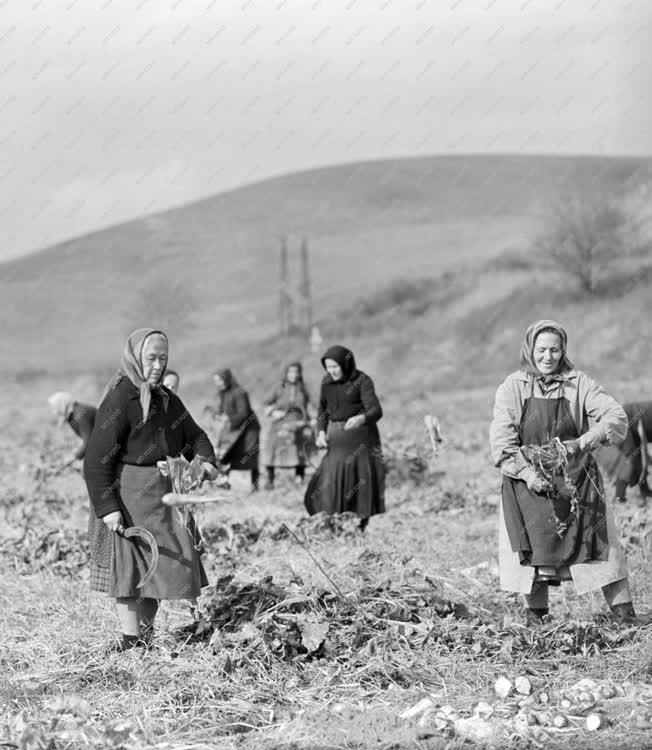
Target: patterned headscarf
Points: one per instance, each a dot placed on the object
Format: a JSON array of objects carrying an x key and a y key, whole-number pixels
[
  {"x": 131, "y": 367},
  {"x": 527, "y": 350},
  {"x": 62, "y": 403}
]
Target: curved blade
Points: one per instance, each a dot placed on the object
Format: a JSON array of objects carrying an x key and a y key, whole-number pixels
[{"x": 148, "y": 538}]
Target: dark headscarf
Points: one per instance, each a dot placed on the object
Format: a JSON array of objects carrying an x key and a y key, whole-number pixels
[
  {"x": 527, "y": 350},
  {"x": 227, "y": 376},
  {"x": 344, "y": 358},
  {"x": 131, "y": 367},
  {"x": 230, "y": 384}
]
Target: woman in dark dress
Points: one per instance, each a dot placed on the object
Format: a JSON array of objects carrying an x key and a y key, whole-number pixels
[
  {"x": 80, "y": 417},
  {"x": 626, "y": 465},
  {"x": 286, "y": 431},
  {"x": 238, "y": 440},
  {"x": 351, "y": 476},
  {"x": 140, "y": 422},
  {"x": 553, "y": 531}
]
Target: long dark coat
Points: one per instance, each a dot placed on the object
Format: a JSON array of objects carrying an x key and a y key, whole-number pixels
[{"x": 238, "y": 443}]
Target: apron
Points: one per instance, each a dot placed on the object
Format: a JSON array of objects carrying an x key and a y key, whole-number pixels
[
  {"x": 540, "y": 533},
  {"x": 180, "y": 573}
]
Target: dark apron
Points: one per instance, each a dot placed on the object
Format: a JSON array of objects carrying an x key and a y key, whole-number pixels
[{"x": 533, "y": 520}]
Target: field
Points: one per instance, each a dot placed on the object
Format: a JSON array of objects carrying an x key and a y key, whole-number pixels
[
  {"x": 325, "y": 639},
  {"x": 311, "y": 634}
]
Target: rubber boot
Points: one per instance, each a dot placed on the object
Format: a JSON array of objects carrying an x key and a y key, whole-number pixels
[
  {"x": 624, "y": 614},
  {"x": 126, "y": 643},
  {"x": 535, "y": 615}
]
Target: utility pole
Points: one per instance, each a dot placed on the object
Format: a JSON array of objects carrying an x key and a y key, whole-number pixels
[
  {"x": 285, "y": 298},
  {"x": 305, "y": 319}
]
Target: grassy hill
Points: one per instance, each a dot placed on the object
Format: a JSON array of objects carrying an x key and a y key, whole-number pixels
[{"x": 420, "y": 264}]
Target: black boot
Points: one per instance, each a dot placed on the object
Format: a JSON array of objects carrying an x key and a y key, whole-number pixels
[
  {"x": 126, "y": 643},
  {"x": 624, "y": 614},
  {"x": 535, "y": 615}
]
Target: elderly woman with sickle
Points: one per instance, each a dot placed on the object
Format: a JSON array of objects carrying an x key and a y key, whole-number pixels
[
  {"x": 555, "y": 524},
  {"x": 140, "y": 422}
]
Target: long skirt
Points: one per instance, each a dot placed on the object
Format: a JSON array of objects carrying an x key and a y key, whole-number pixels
[
  {"x": 240, "y": 449},
  {"x": 180, "y": 573},
  {"x": 284, "y": 442},
  {"x": 351, "y": 476}
]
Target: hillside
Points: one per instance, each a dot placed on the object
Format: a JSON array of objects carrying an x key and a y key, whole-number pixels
[{"x": 213, "y": 264}]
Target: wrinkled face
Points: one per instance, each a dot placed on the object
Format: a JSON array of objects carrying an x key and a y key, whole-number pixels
[
  {"x": 219, "y": 382},
  {"x": 171, "y": 381},
  {"x": 333, "y": 369},
  {"x": 547, "y": 352},
  {"x": 154, "y": 358},
  {"x": 292, "y": 374}
]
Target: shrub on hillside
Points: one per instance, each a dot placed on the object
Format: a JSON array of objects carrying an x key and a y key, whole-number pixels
[{"x": 589, "y": 236}]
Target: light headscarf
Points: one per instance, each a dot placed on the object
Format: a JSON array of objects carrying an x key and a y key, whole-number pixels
[
  {"x": 62, "y": 403},
  {"x": 131, "y": 367},
  {"x": 527, "y": 350}
]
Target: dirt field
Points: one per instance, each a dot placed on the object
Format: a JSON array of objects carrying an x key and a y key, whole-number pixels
[{"x": 323, "y": 637}]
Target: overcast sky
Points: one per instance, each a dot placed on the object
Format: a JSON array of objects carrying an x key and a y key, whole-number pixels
[{"x": 113, "y": 108}]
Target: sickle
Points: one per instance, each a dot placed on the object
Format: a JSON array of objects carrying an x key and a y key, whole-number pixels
[{"x": 147, "y": 537}]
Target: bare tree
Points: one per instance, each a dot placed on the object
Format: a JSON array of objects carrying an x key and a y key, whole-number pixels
[{"x": 584, "y": 234}]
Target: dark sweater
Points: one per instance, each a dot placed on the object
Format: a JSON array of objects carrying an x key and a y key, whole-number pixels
[
  {"x": 339, "y": 400},
  {"x": 82, "y": 419},
  {"x": 121, "y": 437},
  {"x": 640, "y": 411}
]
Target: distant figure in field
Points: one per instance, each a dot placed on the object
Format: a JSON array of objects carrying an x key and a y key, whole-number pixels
[
  {"x": 286, "y": 431},
  {"x": 351, "y": 476},
  {"x": 80, "y": 417},
  {"x": 238, "y": 441},
  {"x": 139, "y": 423},
  {"x": 626, "y": 465},
  {"x": 171, "y": 381},
  {"x": 556, "y": 527}
]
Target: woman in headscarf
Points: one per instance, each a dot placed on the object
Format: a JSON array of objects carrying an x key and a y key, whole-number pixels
[
  {"x": 80, "y": 417},
  {"x": 554, "y": 522},
  {"x": 286, "y": 430},
  {"x": 140, "y": 422},
  {"x": 351, "y": 476},
  {"x": 238, "y": 441}
]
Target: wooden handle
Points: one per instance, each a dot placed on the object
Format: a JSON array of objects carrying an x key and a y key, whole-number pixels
[{"x": 176, "y": 498}]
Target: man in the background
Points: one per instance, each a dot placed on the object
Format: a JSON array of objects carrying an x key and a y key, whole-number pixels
[
  {"x": 627, "y": 464},
  {"x": 171, "y": 380}
]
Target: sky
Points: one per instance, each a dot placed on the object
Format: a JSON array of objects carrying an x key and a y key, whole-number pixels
[{"x": 111, "y": 109}]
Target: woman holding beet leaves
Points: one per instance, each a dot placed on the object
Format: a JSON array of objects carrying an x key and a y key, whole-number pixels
[
  {"x": 555, "y": 524},
  {"x": 351, "y": 476},
  {"x": 141, "y": 422}
]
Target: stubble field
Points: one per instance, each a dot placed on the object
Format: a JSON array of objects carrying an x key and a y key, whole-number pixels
[{"x": 312, "y": 635}]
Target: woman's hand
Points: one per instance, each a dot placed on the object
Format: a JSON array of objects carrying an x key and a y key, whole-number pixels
[
  {"x": 277, "y": 414},
  {"x": 322, "y": 440},
  {"x": 354, "y": 422},
  {"x": 113, "y": 521},
  {"x": 537, "y": 483},
  {"x": 210, "y": 472},
  {"x": 572, "y": 447}
]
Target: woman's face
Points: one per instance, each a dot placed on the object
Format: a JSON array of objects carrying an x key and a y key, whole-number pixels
[
  {"x": 547, "y": 352},
  {"x": 154, "y": 358},
  {"x": 333, "y": 369},
  {"x": 219, "y": 382},
  {"x": 171, "y": 381},
  {"x": 292, "y": 374}
]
